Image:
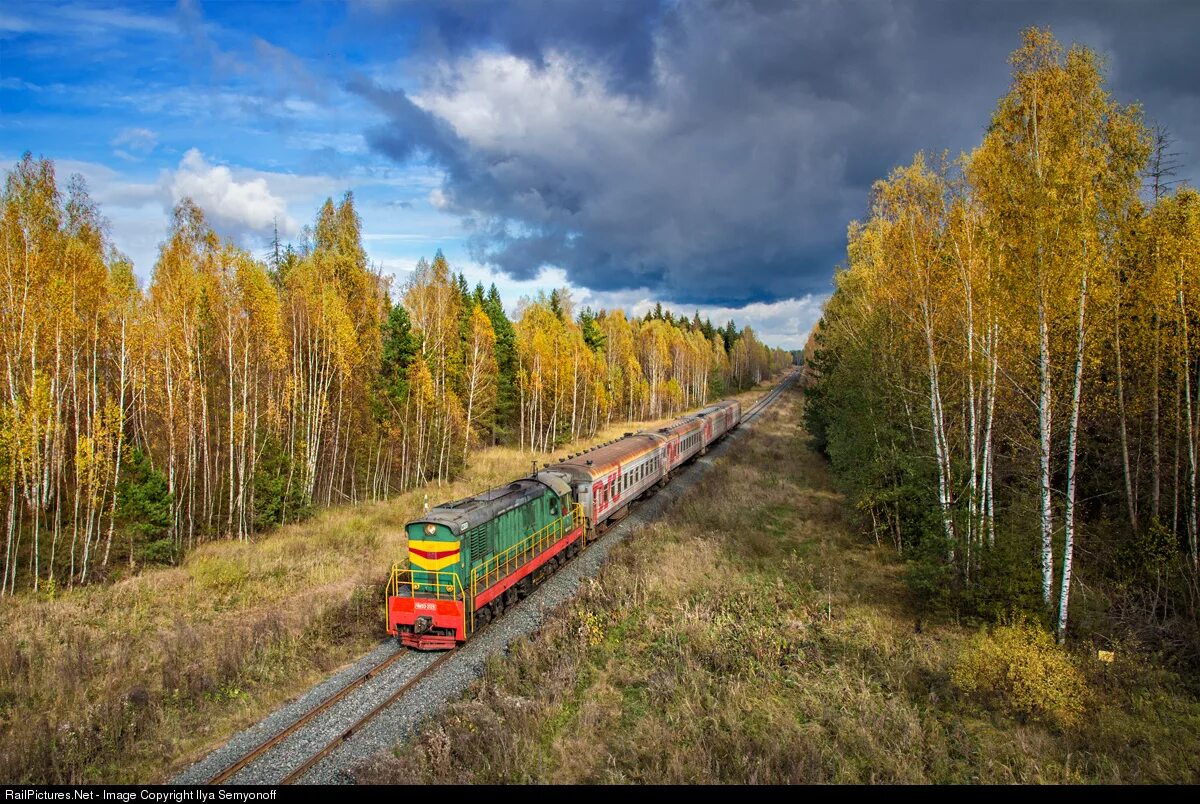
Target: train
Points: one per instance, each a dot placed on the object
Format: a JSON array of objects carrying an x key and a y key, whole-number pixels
[{"x": 470, "y": 559}]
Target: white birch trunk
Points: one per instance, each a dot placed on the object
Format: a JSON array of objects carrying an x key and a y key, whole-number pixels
[
  {"x": 1072, "y": 448},
  {"x": 1044, "y": 422}
]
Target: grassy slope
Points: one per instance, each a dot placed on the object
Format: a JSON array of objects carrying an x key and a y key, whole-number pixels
[
  {"x": 755, "y": 638},
  {"x": 128, "y": 682}
]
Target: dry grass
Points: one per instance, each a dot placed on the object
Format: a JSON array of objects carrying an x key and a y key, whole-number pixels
[
  {"x": 754, "y": 638},
  {"x": 129, "y": 682}
]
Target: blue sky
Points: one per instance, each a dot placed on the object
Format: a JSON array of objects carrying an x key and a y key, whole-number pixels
[
  {"x": 147, "y": 100},
  {"x": 708, "y": 154}
]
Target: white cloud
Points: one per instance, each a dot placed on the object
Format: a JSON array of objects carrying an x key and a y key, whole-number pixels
[
  {"x": 243, "y": 206},
  {"x": 131, "y": 143},
  {"x": 629, "y": 190},
  {"x": 403, "y": 237},
  {"x": 11, "y": 24},
  {"x": 342, "y": 142},
  {"x": 136, "y": 139},
  {"x": 298, "y": 107},
  {"x": 784, "y": 324},
  {"x": 501, "y": 102},
  {"x": 80, "y": 20}
]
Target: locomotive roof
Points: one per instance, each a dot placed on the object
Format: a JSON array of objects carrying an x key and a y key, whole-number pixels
[
  {"x": 605, "y": 457},
  {"x": 462, "y": 515}
]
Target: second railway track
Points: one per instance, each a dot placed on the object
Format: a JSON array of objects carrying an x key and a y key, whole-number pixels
[{"x": 303, "y": 741}]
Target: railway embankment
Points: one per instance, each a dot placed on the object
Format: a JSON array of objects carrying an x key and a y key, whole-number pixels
[
  {"x": 322, "y": 736},
  {"x": 753, "y": 635},
  {"x": 138, "y": 679}
]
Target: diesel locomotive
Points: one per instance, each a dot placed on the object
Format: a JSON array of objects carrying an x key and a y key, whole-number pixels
[{"x": 471, "y": 559}]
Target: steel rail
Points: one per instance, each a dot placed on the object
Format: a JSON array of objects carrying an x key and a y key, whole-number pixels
[
  {"x": 266, "y": 745},
  {"x": 346, "y": 734},
  {"x": 762, "y": 404},
  {"x": 753, "y": 412}
]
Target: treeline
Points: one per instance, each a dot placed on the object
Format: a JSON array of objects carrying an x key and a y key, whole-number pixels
[
  {"x": 1006, "y": 377},
  {"x": 232, "y": 394}
]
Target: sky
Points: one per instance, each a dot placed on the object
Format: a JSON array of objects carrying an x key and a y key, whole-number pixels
[{"x": 708, "y": 155}]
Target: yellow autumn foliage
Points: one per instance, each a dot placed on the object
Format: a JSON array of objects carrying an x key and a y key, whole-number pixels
[{"x": 1021, "y": 668}]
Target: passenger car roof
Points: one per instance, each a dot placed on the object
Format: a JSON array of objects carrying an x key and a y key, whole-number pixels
[{"x": 604, "y": 458}]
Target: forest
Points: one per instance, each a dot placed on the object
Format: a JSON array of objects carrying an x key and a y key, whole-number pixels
[
  {"x": 1006, "y": 376},
  {"x": 236, "y": 392}
]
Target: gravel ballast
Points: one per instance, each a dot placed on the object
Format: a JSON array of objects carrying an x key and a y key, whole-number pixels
[{"x": 431, "y": 694}]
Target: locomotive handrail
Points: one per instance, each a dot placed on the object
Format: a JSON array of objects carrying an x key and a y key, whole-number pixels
[
  {"x": 405, "y": 583},
  {"x": 503, "y": 564}
]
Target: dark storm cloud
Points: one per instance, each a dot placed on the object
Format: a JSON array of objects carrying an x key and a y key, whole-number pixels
[
  {"x": 616, "y": 33},
  {"x": 715, "y": 151}
]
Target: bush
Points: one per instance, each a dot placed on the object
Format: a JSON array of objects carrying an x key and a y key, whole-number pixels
[
  {"x": 144, "y": 509},
  {"x": 275, "y": 500},
  {"x": 1143, "y": 558},
  {"x": 1007, "y": 579},
  {"x": 1020, "y": 668},
  {"x": 160, "y": 551},
  {"x": 930, "y": 577},
  {"x": 218, "y": 574}
]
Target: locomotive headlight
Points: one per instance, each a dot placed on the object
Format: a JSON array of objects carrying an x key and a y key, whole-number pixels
[{"x": 430, "y": 529}]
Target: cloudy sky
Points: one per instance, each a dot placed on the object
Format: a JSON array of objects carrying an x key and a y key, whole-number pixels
[{"x": 708, "y": 154}]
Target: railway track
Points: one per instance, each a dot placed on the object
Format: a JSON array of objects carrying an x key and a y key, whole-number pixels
[
  {"x": 259, "y": 764},
  {"x": 345, "y": 735},
  {"x": 257, "y": 751},
  {"x": 765, "y": 402}
]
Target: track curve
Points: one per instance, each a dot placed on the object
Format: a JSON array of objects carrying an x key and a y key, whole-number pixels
[{"x": 314, "y": 740}]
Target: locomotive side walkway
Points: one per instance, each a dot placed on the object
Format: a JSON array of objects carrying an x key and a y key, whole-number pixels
[{"x": 449, "y": 680}]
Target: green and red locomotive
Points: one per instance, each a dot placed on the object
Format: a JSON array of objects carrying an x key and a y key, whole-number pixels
[{"x": 469, "y": 560}]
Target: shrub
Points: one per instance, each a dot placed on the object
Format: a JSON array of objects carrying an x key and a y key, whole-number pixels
[
  {"x": 1021, "y": 668},
  {"x": 275, "y": 499},
  {"x": 930, "y": 577},
  {"x": 218, "y": 574},
  {"x": 144, "y": 509},
  {"x": 1007, "y": 579},
  {"x": 159, "y": 551}
]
